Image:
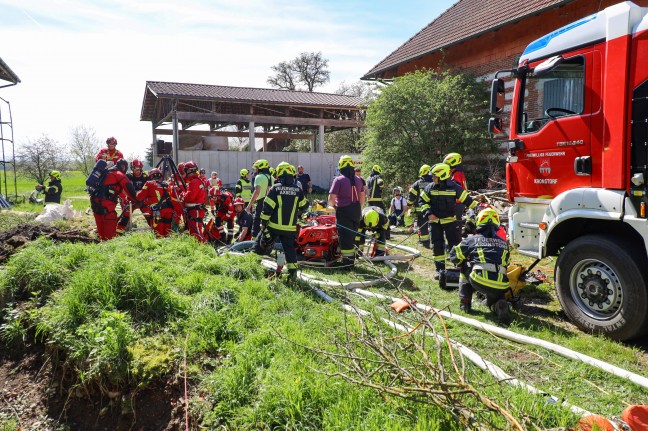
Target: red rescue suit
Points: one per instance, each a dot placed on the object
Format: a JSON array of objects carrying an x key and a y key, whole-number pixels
[
  {"x": 176, "y": 189},
  {"x": 194, "y": 202},
  {"x": 109, "y": 156},
  {"x": 104, "y": 201},
  {"x": 156, "y": 199},
  {"x": 225, "y": 215}
]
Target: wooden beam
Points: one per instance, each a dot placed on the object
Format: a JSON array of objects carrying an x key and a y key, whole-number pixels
[
  {"x": 266, "y": 119},
  {"x": 235, "y": 134}
]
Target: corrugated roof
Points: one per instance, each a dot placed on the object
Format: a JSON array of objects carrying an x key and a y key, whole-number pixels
[
  {"x": 464, "y": 20},
  {"x": 6, "y": 74},
  {"x": 252, "y": 95}
]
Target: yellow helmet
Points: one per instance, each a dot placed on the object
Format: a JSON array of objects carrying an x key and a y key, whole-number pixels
[
  {"x": 452, "y": 159},
  {"x": 244, "y": 172},
  {"x": 272, "y": 171},
  {"x": 345, "y": 161},
  {"x": 488, "y": 215},
  {"x": 55, "y": 174},
  {"x": 261, "y": 164},
  {"x": 424, "y": 170},
  {"x": 371, "y": 218},
  {"x": 441, "y": 170},
  {"x": 285, "y": 168},
  {"x": 377, "y": 168}
]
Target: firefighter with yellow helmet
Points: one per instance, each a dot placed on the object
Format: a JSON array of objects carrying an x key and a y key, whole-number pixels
[
  {"x": 244, "y": 187},
  {"x": 415, "y": 203},
  {"x": 373, "y": 219},
  {"x": 262, "y": 183},
  {"x": 454, "y": 160},
  {"x": 439, "y": 199},
  {"x": 53, "y": 189},
  {"x": 346, "y": 195},
  {"x": 483, "y": 259},
  {"x": 281, "y": 210}
]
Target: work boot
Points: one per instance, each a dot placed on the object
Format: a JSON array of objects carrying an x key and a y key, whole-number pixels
[
  {"x": 501, "y": 308},
  {"x": 465, "y": 306}
]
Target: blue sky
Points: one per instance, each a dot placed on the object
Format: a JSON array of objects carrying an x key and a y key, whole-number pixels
[{"x": 86, "y": 62}]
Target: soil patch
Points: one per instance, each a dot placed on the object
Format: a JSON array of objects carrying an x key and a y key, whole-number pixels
[{"x": 12, "y": 239}]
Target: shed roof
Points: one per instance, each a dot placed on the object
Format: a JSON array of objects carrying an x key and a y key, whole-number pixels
[
  {"x": 464, "y": 20},
  {"x": 220, "y": 93},
  {"x": 6, "y": 74}
]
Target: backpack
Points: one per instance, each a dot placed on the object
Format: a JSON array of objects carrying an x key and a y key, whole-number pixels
[{"x": 96, "y": 177}]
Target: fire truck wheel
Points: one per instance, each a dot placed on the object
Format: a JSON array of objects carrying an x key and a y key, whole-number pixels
[{"x": 601, "y": 286}]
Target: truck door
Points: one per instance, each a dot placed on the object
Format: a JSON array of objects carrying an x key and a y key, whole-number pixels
[{"x": 554, "y": 122}]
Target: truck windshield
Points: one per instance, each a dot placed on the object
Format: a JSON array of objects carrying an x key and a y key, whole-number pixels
[{"x": 554, "y": 94}]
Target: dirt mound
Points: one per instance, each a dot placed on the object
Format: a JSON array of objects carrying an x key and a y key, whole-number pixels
[{"x": 12, "y": 239}]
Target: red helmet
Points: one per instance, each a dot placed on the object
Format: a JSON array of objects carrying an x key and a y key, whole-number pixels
[
  {"x": 111, "y": 141},
  {"x": 154, "y": 173},
  {"x": 181, "y": 168},
  {"x": 215, "y": 193},
  {"x": 190, "y": 167},
  {"x": 136, "y": 164},
  {"x": 239, "y": 201}
]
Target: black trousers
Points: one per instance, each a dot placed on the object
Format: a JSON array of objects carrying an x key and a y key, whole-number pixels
[
  {"x": 441, "y": 232},
  {"x": 256, "y": 222},
  {"x": 348, "y": 219},
  {"x": 467, "y": 287}
]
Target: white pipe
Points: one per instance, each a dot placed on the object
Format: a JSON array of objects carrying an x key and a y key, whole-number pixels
[{"x": 525, "y": 339}]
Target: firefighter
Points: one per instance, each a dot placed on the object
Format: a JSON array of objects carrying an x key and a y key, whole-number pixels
[
  {"x": 375, "y": 186},
  {"x": 110, "y": 154},
  {"x": 223, "y": 212},
  {"x": 439, "y": 200},
  {"x": 281, "y": 210},
  {"x": 262, "y": 183},
  {"x": 414, "y": 202},
  {"x": 454, "y": 160},
  {"x": 483, "y": 259},
  {"x": 53, "y": 189},
  {"x": 346, "y": 195},
  {"x": 373, "y": 219},
  {"x": 176, "y": 189},
  {"x": 138, "y": 177},
  {"x": 155, "y": 198},
  {"x": 243, "y": 220},
  {"x": 244, "y": 187},
  {"x": 104, "y": 199},
  {"x": 194, "y": 201}
]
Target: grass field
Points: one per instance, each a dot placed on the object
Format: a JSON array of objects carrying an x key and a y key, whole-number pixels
[{"x": 263, "y": 355}]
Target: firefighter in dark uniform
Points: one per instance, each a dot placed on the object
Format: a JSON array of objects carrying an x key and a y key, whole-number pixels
[
  {"x": 483, "y": 259},
  {"x": 104, "y": 199},
  {"x": 439, "y": 200},
  {"x": 375, "y": 186},
  {"x": 414, "y": 202},
  {"x": 243, "y": 220},
  {"x": 373, "y": 219},
  {"x": 244, "y": 187},
  {"x": 53, "y": 189},
  {"x": 263, "y": 180},
  {"x": 346, "y": 195},
  {"x": 281, "y": 210}
]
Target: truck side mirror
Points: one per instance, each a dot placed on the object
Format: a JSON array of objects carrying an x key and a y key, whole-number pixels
[
  {"x": 495, "y": 126},
  {"x": 497, "y": 96}
]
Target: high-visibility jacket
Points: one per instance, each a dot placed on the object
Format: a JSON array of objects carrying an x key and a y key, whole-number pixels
[
  {"x": 486, "y": 254},
  {"x": 375, "y": 186},
  {"x": 243, "y": 189},
  {"x": 414, "y": 197},
  {"x": 282, "y": 206},
  {"x": 441, "y": 198}
]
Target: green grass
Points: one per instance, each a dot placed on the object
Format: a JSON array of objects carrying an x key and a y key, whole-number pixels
[
  {"x": 73, "y": 189},
  {"x": 123, "y": 314}
]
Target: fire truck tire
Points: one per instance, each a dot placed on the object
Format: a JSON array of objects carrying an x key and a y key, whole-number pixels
[{"x": 601, "y": 285}]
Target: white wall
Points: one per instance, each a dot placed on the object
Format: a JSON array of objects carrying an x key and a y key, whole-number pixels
[{"x": 320, "y": 166}]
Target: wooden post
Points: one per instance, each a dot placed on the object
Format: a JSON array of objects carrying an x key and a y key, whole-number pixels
[
  {"x": 176, "y": 138},
  {"x": 251, "y": 138},
  {"x": 321, "y": 138}
]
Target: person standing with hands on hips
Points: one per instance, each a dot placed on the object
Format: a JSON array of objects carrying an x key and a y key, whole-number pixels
[
  {"x": 347, "y": 196},
  {"x": 304, "y": 180}
]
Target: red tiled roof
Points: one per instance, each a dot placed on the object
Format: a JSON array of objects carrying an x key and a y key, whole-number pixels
[
  {"x": 464, "y": 20},
  {"x": 6, "y": 74},
  {"x": 252, "y": 95}
]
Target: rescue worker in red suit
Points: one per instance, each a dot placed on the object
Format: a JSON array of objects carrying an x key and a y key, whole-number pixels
[
  {"x": 154, "y": 195},
  {"x": 457, "y": 173},
  {"x": 104, "y": 200},
  {"x": 194, "y": 201},
  {"x": 223, "y": 211},
  {"x": 176, "y": 189},
  {"x": 243, "y": 220},
  {"x": 111, "y": 153},
  {"x": 138, "y": 177}
]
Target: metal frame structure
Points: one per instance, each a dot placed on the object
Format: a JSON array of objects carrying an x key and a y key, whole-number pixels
[{"x": 6, "y": 131}]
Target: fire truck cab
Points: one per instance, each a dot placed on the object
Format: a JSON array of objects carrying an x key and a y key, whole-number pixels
[{"x": 577, "y": 166}]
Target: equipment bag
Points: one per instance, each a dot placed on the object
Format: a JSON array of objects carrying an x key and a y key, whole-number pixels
[{"x": 97, "y": 175}]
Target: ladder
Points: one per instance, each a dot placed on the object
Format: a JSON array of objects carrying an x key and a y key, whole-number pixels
[{"x": 7, "y": 144}]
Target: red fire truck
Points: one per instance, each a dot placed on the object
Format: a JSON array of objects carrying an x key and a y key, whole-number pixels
[{"x": 577, "y": 167}]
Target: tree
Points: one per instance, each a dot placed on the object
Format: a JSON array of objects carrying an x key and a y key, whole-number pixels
[
  {"x": 84, "y": 145},
  {"x": 351, "y": 140},
  {"x": 421, "y": 117},
  {"x": 148, "y": 155},
  {"x": 308, "y": 69},
  {"x": 38, "y": 157}
]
